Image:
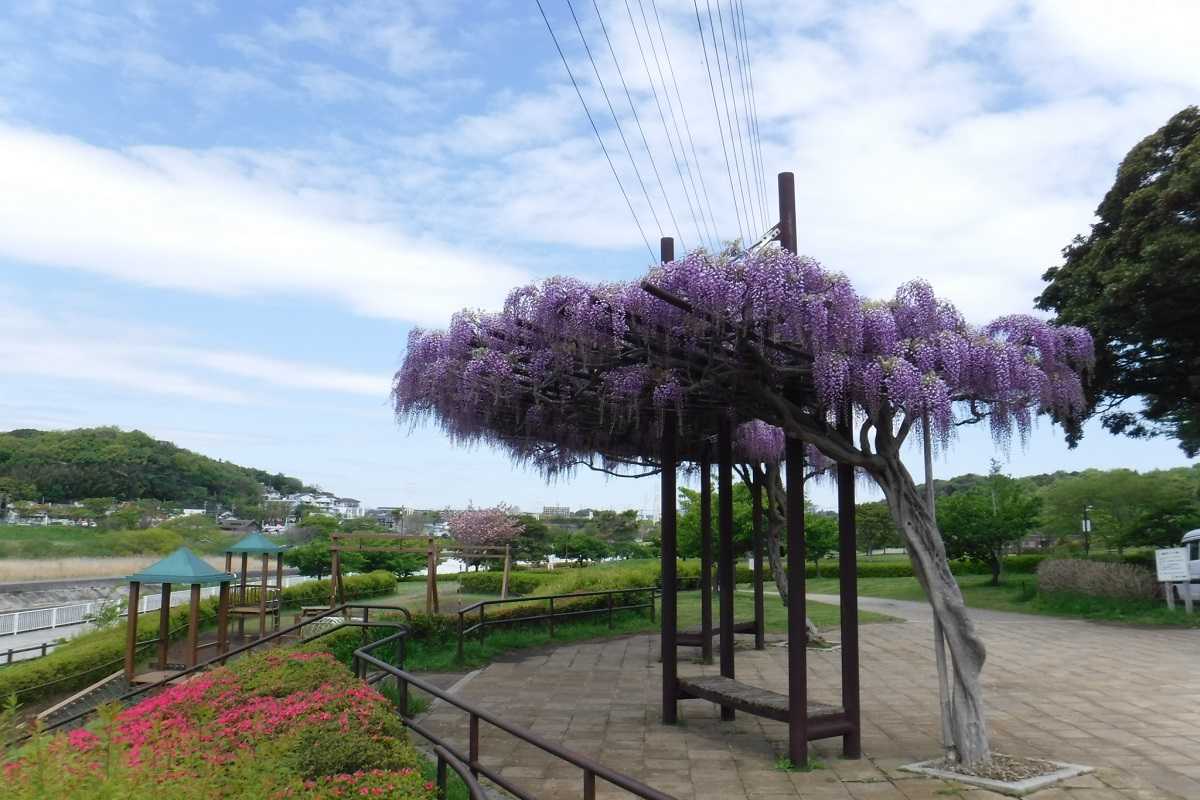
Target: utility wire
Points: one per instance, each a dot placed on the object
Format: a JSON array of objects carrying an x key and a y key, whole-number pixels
[
  {"x": 645, "y": 142},
  {"x": 762, "y": 170},
  {"x": 706, "y": 234},
  {"x": 616, "y": 119},
  {"x": 752, "y": 157},
  {"x": 596, "y": 130},
  {"x": 713, "y": 90},
  {"x": 735, "y": 144},
  {"x": 687, "y": 127}
]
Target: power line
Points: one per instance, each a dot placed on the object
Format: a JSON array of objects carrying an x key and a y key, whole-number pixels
[
  {"x": 616, "y": 120},
  {"x": 662, "y": 117},
  {"x": 596, "y": 130},
  {"x": 762, "y": 170},
  {"x": 713, "y": 90},
  {"x": 752, "y": 166},
  {"x": 686, "y": 126},
  {"x": 736, "y": 144},
  {"x": 645, "y": 142}
]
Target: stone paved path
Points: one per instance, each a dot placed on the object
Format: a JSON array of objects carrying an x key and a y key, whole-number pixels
[{"x": 1125, "y": 700}]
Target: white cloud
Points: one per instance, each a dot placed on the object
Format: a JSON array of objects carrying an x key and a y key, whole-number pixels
[
  {"x": 170, "y": 217},
  {"x": 72, "y": 346}
]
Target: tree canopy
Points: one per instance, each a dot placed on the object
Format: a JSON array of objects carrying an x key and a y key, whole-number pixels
[
  {"x": 1134, "y": 282},
  {"x": 981, "y": 522},
  {"x": 63, "y": 466}
]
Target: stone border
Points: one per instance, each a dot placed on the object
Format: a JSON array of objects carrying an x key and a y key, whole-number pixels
[{"x": 1010, "y": 788}]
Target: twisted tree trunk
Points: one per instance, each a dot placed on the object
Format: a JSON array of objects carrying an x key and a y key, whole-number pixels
[{"x": 931, "y": 567}]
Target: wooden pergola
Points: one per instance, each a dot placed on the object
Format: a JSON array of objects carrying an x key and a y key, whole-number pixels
[
  {"x": 181, "y": 567},
  {"x": 265, "y": 599}
]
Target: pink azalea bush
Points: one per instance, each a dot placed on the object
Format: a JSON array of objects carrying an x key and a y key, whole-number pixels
[{"x": 278, "y": 725}]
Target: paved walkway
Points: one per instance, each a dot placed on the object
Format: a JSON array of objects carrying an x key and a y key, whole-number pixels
[{"x": 1125, "y": 700}]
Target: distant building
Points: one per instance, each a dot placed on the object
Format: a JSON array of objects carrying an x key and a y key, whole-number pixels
[{"x": 555, "y": 511}]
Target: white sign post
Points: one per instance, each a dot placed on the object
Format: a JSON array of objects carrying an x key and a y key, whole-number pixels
[{"x": 1172, "y": 567}]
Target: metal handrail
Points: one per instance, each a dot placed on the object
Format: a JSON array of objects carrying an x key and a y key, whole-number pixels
[
  {"x": 223, "y": 657},
  {"x": 444, "y": 757},
  {"x": 551, "y": 615},
  {"x": 591, "y": 768}
]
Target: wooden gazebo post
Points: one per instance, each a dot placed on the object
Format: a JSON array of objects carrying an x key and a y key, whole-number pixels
[
  {"x": 164, "y": 626},
  {"x": 670, "y": 580},
  {"x": 706, "y": 560},
  {"x": 262, "y": 595},
  {"x": 279, "y": 585},
  {"x": 241, "y": 598},
  {"x": 135, "y": 597},
  {"x": 193, "y": 636},
  {"x": 725, "y": 550}
]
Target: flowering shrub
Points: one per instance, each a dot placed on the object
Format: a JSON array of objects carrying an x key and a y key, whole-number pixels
[{"x": 279, "y": 725}]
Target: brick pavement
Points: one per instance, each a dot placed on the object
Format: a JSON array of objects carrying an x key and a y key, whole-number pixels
[{"x": 1125, "y": 700}]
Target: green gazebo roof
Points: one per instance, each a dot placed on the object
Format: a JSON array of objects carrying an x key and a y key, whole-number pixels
[
  {"x": 256, "y": 543},
  {"x": 182, "y": 566}
]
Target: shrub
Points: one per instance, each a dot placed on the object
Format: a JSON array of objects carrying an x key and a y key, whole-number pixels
[
  {"x": 279, "y": 724},
  {"x": 490, "y": 582},
  {"x": 311, "y": 593},
  {"x": 1096, "y": 579}
]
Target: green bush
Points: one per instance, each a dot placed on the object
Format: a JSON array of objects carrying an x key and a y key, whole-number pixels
[
  {"x": 490, "y": 582},
  {"x": 315, "y": 593}
]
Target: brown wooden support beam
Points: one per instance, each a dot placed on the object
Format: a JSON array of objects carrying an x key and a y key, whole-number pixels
[
  {"x": 848, "y": 589},
  {"x": 797, "y": 631},
  {"x": 193, "y": 634},
  {"x": 135, "y": 591},
  {"x": 725, "y": 570},
  {"x": 706, "y": 557},
  {"x": 164, "y": 625},
  {"x": 670, "y": 578},
  {"x": 223, "y": 619},
  {"x": 262, "y": 595},
  {"x": 756, "y": 513}
]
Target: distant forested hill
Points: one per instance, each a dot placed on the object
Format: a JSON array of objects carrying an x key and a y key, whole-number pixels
[{"x": 62, "y": 466}]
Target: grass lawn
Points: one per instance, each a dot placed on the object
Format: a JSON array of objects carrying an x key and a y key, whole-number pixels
[
  {"x": 1019, "y": 594},
  {"x": 411, "y": 595}
]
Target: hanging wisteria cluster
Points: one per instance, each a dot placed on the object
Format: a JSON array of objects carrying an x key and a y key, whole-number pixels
[{"x": 570, "y": 369}]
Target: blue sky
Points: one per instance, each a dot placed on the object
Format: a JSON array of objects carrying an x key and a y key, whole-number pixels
[{"x": 218, "y": 221}]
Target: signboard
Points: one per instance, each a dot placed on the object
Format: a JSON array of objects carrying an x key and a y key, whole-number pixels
[{"x": 1172, "y": 564}]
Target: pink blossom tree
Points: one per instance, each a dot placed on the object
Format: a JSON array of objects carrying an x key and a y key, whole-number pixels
[
  {"x": 484, "y": 527},
  {"x": 570, "y": 371}
]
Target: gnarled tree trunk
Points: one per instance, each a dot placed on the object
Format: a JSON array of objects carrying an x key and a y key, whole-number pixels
[{"x": 931, "y": 567}]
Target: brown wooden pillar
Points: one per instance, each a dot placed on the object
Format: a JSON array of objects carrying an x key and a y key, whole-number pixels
[
  {"x": 797, "y": 631},
  {"x": 725, "y": 550},
  {"x": 241, "y": 598},
  {"x": 756, "y": 513},
  {"x": 164, "y": 626},
  {"x": 262, "y": 595},
  {"x": 848, "y": 587},
  {"x": 135, "y": 592},
  {"x": 278, "y": 589},
  {"x": 193, "y": 637},
  {"x": 228, "y": 561},
  {"x": 670, "y": 581},
  {"x": 335, "y": 574},
  {"x": 706, "y": 576},
  {"x": 223, "y": 619}
]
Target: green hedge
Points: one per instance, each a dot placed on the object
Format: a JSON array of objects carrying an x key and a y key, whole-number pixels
[
  {"x": 311, "y": 593},
  {"x": 490, "y": 582}
]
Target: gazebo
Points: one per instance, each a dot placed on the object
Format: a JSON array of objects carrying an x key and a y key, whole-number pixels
[
  {"x": 182, "y": 567},
  {"x": 264, "y": 599}
]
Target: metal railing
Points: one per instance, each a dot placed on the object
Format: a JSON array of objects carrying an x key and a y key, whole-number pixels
[
  {"x": 41, "y": 649},
  {"x": 551, "y": 614},
  {"x": 592, "y": 770},
  {"x": 345, "y": 620}
]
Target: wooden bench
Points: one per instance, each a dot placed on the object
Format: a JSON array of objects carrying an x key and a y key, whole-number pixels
[{"x": 754, "y": 700}]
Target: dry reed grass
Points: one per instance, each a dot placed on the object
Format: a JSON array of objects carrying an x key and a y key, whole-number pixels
[{"x": 14, "y": 570}]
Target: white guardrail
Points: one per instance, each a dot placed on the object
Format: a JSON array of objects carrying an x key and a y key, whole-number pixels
[{"x": 40, "y": 619}]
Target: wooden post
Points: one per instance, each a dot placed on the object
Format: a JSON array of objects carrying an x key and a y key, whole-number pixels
[
  {"x": 706, "y": 555},
  {"x": 1169, "y": 588},
  {"x": 228, "y": 561},
  {"x": 797, "y": 630},
  {"x": 1185, "y": 589},
  {"x": 241, "y": 599},
  {"x": 193, "y": 637},
  {"x": 670, "y": 583},
  {"x": 223, "y": 619},
  {"x": 164, "y": 625},
  {"x": 135, "y": 590},
  {"x": 848, "y": 587},
  {"x": 262, "y": 596},
  {"x": 725, "y": 550},
  {"x": 504, "y": 578},
  {"x": 760, "y": 629},
  {"x": 335, "y": 574},
  {"x": 278, "y": 588}
]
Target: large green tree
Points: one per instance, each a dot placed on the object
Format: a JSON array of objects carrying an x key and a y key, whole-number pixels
[
  {"x": 1134, "y": 282},
  {"x": 980, "y": 523}
]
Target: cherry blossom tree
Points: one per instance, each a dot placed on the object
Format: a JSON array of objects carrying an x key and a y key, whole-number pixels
[
  {"x": 570, "y": 371},
  {"x": 484, "y": 527}
]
